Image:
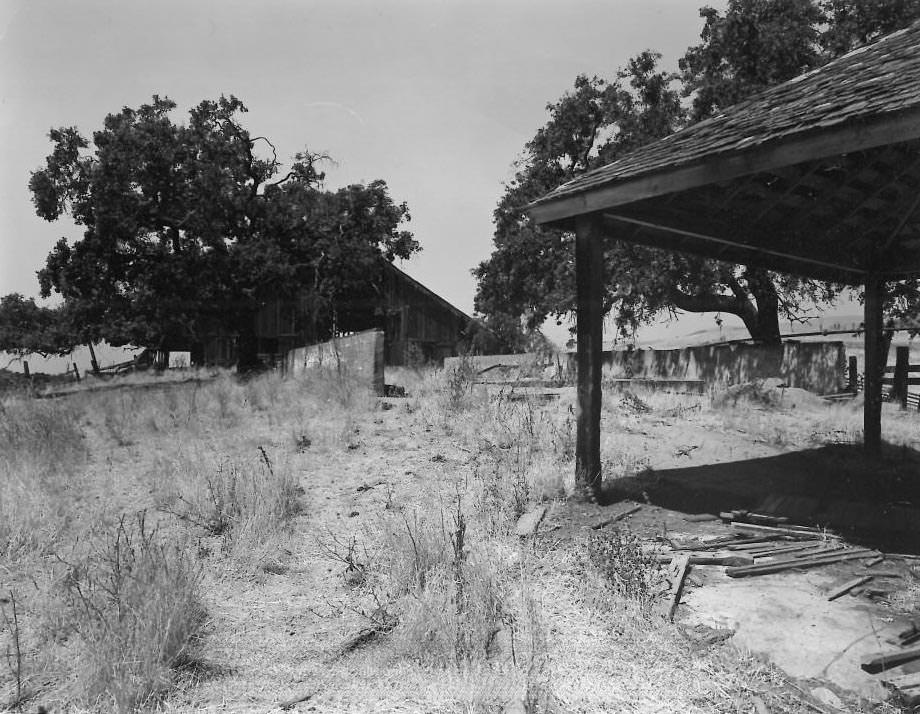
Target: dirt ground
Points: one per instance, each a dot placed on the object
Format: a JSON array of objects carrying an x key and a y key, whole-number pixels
[{"x": 275, "y": 633}]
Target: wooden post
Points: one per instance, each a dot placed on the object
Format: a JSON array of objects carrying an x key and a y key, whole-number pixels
[
  {"x": 872, "y": 411},
  {"x": 25, "y": 369},
  {"x": 902, "y": 362},
  {"x": 92, "y": 358},
  {"x": 852, "y": 375},
  {"x": 589, "y": 278},
  {"x": 76, "y": 371}
]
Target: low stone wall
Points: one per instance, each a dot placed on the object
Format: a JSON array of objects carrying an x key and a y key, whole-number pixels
[
  {"x": 818, "y": 367},
  {"x": 359, "y": 356},
  {"x": 526, "y": 365}
]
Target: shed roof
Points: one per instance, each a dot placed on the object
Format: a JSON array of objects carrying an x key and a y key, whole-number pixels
[{"x": 819, "y": 175}]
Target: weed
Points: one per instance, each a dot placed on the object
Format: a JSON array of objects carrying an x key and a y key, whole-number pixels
[
  {"x": 505, "y": 491},
  {"x": 460, "y": 381},
  {"x": 134, "y": 602},
  {"x": 246, "y": 503},
  {"x": 618, "y": 557},
  {"x": 14, "y": 650}
]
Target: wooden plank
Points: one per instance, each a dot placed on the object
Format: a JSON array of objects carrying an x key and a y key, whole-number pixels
[
  {"x": 700, "y": 517},
  {"x": 706, "y": 558},
  {"x": 791, "y": 531},
  {"x": 780, "y": 565},
  {"x": 903, "y": 681},
  {"x": 589, "y": 288},
  {"x": 680, "y": 565},
  {"x": 614, "y": 519},
  {"x": 789, "y": 550},
  {"x": 892, "y": 659},
  {"x": 756, "y": 518},
  {"x": 847, "y": 586},
  {"x": 755, "y": 543}
]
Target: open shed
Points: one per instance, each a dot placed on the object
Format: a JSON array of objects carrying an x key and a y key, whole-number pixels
[{"x": 818, "y": 176}]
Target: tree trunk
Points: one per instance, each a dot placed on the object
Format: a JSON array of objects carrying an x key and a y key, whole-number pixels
[
  {"x": 762, "y": 321},
  {"x": 196, "y": 355},
  {"x": 757, "y": 305},
  {"x": 247, "y": 345}
]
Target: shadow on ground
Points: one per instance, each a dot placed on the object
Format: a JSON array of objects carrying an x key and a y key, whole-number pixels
[{"x": 870, "y": 500}]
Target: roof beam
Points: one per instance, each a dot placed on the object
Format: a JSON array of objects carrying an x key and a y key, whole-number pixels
[
  {"x": 661, "y": 236},
  {"x": 851, "y": 137}
]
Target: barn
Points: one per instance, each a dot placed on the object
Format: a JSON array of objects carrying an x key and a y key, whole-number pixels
[{"x": 418, "y": 324}]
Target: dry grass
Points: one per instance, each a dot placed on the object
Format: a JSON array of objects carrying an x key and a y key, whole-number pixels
[
  {"x": 422, "y": 598},
  {"x": 133, "y": 602},
  {"x": 248, "y": 504},
  {"x": 41, "y": 451}
]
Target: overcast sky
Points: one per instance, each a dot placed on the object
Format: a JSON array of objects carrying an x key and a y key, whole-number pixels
[{"x": 435, "y": 97}]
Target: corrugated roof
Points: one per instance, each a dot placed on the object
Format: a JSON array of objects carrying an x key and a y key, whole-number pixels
[{"x": 881, "y": 79}]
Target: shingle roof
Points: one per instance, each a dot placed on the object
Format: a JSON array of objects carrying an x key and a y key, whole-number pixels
[{"x": 876, "y": 80}]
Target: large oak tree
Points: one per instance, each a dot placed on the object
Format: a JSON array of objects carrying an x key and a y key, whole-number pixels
[
  {"x": 754, "y": 44},
  {"x": 189, "y": 228}
]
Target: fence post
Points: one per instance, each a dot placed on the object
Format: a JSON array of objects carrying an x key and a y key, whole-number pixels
[
  {"x": 900, "y": 375},
  {"x": 25, "y": 369},
  {"x": 76, "y": 371},
  {"x": 852, "y": 375}
]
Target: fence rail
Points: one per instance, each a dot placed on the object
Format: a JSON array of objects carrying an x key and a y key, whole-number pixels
[{"x": 899, "y": 381}]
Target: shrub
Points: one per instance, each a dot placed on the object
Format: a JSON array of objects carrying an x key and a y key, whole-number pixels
[
  {"x": 134, "y": 603},
  {"x": 460, "y": 381},
  {"x": 624, "y": 566}
]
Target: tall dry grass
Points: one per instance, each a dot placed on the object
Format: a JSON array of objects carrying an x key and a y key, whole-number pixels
[
  {"x": 247, "y": 503},
  {"x": 133, "y": 600},
  {"x": 42, "y": 452}
]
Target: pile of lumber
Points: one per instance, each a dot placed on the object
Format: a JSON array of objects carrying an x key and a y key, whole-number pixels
[{"x": 757, "y": 549}]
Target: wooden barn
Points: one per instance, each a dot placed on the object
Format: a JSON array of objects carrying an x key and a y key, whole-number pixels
[{"x": 418, "y": 324}]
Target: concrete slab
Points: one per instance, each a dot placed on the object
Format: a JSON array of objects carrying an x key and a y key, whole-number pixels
[{"x": 817, "y": 638}]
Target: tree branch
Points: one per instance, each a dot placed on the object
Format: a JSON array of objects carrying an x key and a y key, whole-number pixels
[{"x": 709, "y": 302}]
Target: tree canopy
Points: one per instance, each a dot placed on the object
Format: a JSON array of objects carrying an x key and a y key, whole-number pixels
[
  {"x": 188, "y": 228},
  {"x": 754, "y": 44},
  {"x": 27, "y": 328}
]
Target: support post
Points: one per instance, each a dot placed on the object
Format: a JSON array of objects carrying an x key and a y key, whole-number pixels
[
  {"x": 589, "y": 279},
  {"x": 902, "y": 362},
  {"x": 872, "y": 414},
  {"x": 92, "y": 358}
]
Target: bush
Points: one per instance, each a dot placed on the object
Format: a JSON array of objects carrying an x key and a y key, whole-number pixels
[
  {"x": 624, "y": 566},
  {"x": 134, "y": 603}
]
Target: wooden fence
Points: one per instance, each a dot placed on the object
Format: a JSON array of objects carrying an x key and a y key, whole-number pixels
[{"x": 899, "y": 382}]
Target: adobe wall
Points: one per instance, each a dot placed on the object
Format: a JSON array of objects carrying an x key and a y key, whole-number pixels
[
  {"x": 359, "y": 356},
  {"x": 818, "y": 367}
]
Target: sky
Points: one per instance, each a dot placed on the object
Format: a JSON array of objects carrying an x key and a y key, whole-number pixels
[{"x": 436, "y": 97}]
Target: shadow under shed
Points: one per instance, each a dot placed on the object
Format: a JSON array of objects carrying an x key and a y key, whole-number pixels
[{"x": 874, "y": 501}]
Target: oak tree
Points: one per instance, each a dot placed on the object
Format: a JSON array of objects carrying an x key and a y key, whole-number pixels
[
  {"x": 189, "y": 228},
  {"x": 754, "y": 44}
]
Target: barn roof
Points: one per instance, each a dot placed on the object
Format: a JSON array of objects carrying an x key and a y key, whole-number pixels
[
  {"x": 402, "y": 276},
  {"x": 818, "y": 176}
]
